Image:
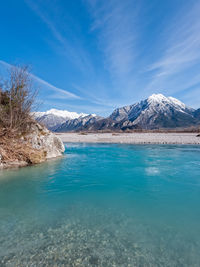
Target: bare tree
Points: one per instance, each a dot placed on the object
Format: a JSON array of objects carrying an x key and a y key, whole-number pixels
[{"x": 17, "y": 97}]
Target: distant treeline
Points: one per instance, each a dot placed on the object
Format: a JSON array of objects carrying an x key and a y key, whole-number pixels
[{"x": 176, "y": 130}]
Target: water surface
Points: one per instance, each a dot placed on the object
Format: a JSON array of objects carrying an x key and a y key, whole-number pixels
[{"x": 104, "y": 205}]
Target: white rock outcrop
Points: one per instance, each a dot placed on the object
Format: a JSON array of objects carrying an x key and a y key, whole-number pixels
[
  {"x": 33, "y": 148},
  {"x": 41, "y": 138}
]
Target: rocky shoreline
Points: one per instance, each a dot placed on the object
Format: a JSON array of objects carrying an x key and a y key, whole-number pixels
[{"x": 33, "y": 148}]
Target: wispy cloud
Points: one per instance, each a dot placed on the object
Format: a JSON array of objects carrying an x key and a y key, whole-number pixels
[
  {"x": 71, "y": 49},
  {"x": 93, "y": 99},
  {"x": 114, "y": 26},
  {"x": 114, "y": 52},
  {"x": 86, "y": 108},
  {"x": 5, "y": 64},
  {"x": 61, "y": 93},
  {"x": 181, "y": 49},
  {"x": 114, "y": 20}
]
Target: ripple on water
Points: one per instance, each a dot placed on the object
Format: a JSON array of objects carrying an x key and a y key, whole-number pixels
[{"x": 104, "y": 205}]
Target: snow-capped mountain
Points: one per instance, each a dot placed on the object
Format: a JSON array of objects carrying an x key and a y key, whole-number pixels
[
  {"x": 154, "y": 104},
  {"x": 78, "y": 124},
  {"x": 51, "y": 121},
  {"x": 60, "y": 113},
  {"x": 157, "y": 111},
  {"x": 54, "y": 118}
]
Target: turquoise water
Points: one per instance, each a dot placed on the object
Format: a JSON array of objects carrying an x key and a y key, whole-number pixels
[{"x": 104, "y": 205}]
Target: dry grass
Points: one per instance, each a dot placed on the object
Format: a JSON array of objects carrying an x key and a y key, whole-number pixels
[
  {"x": 83, "y": 133},
  {"x": 14, "y": 149}
]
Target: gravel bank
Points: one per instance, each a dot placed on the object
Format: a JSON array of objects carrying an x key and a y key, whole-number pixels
[{"x": 131, "y": 138}]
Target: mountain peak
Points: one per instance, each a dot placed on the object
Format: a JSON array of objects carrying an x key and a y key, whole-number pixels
[
  {"x": 157, "y": 97},
  {"x": 61, "y": 113},
  {"x": 157, "y": 111}
]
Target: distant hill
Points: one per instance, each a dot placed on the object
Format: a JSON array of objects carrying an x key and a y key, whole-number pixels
[{"x": 155, "y": 112}]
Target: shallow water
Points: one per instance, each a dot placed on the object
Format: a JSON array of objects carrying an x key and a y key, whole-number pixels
[{"x": 104, "y": 205}]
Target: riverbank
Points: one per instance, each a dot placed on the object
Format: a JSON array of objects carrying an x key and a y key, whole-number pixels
[
  {"x": 131, "y": 138},
  {"x": 31, "y": 148}
]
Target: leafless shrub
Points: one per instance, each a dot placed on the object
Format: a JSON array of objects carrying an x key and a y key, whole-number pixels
[{"x": 17, "y": 97}]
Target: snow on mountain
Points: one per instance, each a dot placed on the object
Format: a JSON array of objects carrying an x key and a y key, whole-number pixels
[
  {"x": 154, "y": 103},
  {"x": 78, "y": 124},
  {"x": 54, "y": 118},
  {"x": 60, "y": 113},
  {"x": 163, "y": 101},
  {"x": 157, "y": 111}
]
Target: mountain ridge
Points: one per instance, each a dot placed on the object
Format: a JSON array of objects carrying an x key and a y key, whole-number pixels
[{"x": 155, "y": 112}]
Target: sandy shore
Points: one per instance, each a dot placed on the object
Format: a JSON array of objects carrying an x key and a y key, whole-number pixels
[{"x": 131, "y": 138}]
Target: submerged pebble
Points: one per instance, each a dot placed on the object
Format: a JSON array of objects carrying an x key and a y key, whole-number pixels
[{"x": 134, "y": 206}]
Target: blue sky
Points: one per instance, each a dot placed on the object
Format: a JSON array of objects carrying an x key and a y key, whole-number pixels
[{"x": 95, "y": 55}]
